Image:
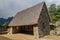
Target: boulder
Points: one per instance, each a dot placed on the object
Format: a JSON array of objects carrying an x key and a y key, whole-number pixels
[
  {"x": 55, "y": 31},
  {"x": 58, "y": 31},
  {"x": 57, "y": 23},
  {"x": 52, "y": 32}
]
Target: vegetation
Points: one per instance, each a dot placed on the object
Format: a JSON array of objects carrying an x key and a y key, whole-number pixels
[
  {"x": 4, "y": 22},
  {"x": 54, "y": 11},
  {"x": 6, "y": 25}
]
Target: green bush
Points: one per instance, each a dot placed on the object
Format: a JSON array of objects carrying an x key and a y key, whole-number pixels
[{"x": 54, "y": 12}]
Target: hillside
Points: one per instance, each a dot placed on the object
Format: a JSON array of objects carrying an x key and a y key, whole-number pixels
[{"x": 3, "y": 20}]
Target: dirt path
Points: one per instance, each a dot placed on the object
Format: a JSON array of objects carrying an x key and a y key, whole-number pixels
[
  {"x": 26, "y": 37},
  {"x": 4, "y": 38},
  {"x": 19, "y": 36},
  {"x": 54, "y": 37}
]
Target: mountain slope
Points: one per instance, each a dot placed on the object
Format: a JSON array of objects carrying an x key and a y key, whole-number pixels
[{"x": 3, "y": 20}]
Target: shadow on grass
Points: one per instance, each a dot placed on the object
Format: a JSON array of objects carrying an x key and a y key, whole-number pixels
[{"x": 4, "y": 38}]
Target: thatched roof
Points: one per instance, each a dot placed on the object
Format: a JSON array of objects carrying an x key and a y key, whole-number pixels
[{"x": 28, "y": 16}]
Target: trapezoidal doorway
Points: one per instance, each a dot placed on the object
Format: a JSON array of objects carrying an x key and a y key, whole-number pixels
[{"x": 23, "y": 30}]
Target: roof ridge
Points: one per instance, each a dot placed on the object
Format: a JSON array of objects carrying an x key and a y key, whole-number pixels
[{"x": 33, "y": 6}]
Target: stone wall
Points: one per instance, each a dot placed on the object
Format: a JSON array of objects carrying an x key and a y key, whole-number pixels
[
  {"x": 43, "y": 23},
  {"x": 36, "y": 33}
]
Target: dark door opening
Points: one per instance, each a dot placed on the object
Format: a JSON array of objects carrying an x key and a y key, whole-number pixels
[
  {"x": 24, "y": 30},
  {"x": 27, "y": 30}
]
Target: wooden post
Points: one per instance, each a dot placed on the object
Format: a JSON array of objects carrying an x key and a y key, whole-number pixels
[{"x": 36, "y": 36}]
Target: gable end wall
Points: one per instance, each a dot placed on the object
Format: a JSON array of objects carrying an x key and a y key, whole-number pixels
[{"x": 43, "y": 19}]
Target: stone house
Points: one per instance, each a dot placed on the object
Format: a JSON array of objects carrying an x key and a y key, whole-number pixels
[{"x": 33, "y": 21}]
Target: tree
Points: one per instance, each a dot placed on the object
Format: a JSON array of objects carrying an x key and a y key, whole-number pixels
[
  {"x": 55, "y": 12},
  {"x": 58, "y": 12},
  {"x": 52, "y": 8},
  {"x": 58, "y": 6}
]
